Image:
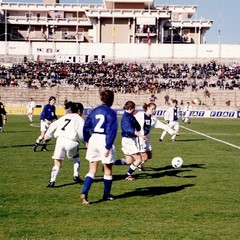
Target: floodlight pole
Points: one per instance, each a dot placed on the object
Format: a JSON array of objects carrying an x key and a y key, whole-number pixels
[
  {"x": 219, "y": 44},
  {"x": 113, "y": 29},
  {"x": 6, "y": 35}
]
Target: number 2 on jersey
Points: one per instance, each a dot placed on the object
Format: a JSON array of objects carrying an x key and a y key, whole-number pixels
[{"x": 98, "y": 127}]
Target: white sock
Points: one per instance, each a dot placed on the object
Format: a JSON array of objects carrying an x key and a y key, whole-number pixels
[
  {"x": 76, "y": 166},
  {"x": 173, "y": 136},
  {"x": 163, "y": 134},
  {"x": 54, "y": 173},
  {"x": 141, "y": 164}
]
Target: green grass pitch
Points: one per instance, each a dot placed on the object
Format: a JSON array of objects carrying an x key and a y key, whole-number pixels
[{"x": 200, "y": 201}]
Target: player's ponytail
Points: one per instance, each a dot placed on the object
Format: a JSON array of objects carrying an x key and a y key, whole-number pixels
[{"x": 146, "y": 106}]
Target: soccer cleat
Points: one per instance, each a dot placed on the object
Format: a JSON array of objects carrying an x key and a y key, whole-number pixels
[
  {"x": 35, "y": 148},
  {"x": 77, "y": 179},
  {"x": 83, "y": 197},
  {"x": 43, "y": 149},
  {"x": 51, "y": 185},
  {"x": 160, "y": 140},
  {"x": 108, "y": 197},
  {"x": 173, "y": 140},
  {"x": 129, "y": 178}
]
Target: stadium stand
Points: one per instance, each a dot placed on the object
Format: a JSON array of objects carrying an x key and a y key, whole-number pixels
[{"x": 208, "y": 86}]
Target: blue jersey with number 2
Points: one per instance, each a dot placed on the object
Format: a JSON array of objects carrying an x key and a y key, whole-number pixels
[{"x": 102, "y": 120}]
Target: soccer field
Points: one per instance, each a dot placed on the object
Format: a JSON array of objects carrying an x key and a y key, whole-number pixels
[{"x": 200, "y": 201}]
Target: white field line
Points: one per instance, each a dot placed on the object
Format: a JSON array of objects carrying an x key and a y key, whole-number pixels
[
  {"x": 34, "y": 124},
  {"x": 196, "y": 132},
  {"x": 207, "y": 136}
]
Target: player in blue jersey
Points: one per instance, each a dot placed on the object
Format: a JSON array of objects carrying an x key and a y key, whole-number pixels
[
  {"x": 130, "y": 135},
  {"x": 99, "y": 132},
  {"x": 48, "y": 114},
  {"x": 147, "y": 122}
]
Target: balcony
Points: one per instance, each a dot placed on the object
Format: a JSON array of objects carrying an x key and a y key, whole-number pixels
[
  {"x": 48, "y": 6},
  {"x": 117, "y": 13},
  {"x": 49, "y": 21}
]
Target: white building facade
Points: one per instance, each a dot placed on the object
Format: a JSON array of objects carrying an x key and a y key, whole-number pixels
[{"x": 115, "y": 29}]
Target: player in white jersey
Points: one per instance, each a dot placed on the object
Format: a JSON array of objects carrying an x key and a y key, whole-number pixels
[
  {"x": 186, "y": 113},
  {"x": 68, "y": 130},
  {"x": 148, "y": 121},
  {"x": 171, "y": 117},
  {"x": 30, "y": 109}
]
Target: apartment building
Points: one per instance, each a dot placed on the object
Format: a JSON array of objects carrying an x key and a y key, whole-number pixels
[{"x": 114, "y": 21}]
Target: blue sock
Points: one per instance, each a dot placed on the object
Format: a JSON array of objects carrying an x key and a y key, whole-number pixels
[
  {"x": 131, "y": 169},
  {"x": 87, "y": 184},
  {"x": 120, "y": 161}
]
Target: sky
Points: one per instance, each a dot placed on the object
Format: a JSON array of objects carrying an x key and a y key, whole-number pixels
[{"x": 225, "y": 15}]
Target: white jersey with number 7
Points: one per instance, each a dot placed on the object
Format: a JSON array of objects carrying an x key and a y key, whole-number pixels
[{"x": 69, "y": 126}]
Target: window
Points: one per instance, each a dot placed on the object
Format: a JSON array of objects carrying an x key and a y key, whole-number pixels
[
  {"x": 28, "y": 15},
  {"x": 15, "y": 33},
  {"x": 80, "y": 35},
  {"x": 32, "y": 32},
  {"x": 69, "y": 15},
  {"x": 186, "y": 36},
  {"x": 64, "y": 33}
]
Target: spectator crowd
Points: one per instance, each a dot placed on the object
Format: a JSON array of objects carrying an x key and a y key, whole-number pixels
[{"x": 122, "y": 77}]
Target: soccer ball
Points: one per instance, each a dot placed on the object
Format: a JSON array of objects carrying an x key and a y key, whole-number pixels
[{"x": 177, "y": 162}]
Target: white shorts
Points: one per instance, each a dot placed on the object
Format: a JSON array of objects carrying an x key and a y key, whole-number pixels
[
  {"x": 187, "y": 114},
  {"x": 29, "y": 111},
  {"x": 174, "y": 125},
  {"x": 130, "y": 146},
  {"x": 97, "y": 148},
  {"x": 144, "y": 146},
  {"x": 65, "y": 147},
  {"x": 44, "y": 126}
]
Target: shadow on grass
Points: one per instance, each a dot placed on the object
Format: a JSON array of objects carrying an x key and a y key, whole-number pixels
[
  {"x": 6, "y": 132},
  {"x": 154, "y": 191},
  {"x": 169, "y": 167},
  {"x": 191, "y": 140},
  {"x": 68, "y": 184},
  {"x": 19, "y": 145},
  {"x": 32, "y": 145},
  {"x": 149, "y": 192},
  {"x": 168, "y": 171}
]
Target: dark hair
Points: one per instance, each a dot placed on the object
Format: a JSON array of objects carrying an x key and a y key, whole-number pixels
[
  {"x": 107, "y": 97},
  {"x": 145, "y": 106},
  {"x": 68, "y": 105},
  {"x": 129, "y": 105},
  {"x": 51, "y": 98},
  {"x": 175, "y": 101},
  {"x": 76, "y": 106}
]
